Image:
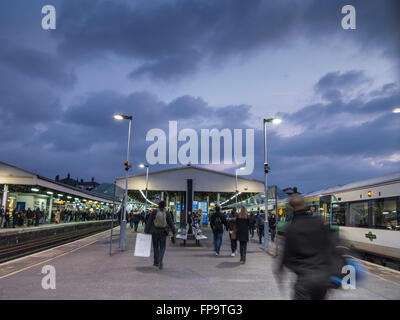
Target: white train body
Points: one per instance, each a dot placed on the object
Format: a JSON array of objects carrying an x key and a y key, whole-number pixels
[{"x": 382, "y": 240}]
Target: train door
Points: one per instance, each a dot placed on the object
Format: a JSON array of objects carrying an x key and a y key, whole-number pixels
[{"x": 325, "y": 206}]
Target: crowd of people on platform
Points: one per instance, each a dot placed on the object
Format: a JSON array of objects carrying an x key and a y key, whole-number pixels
[
  {"x": 309, "y": 249},
  {"x": 240, "y": 226},
  {"x": 135, "y": 217},
  {"x": 28, "y": 218}
]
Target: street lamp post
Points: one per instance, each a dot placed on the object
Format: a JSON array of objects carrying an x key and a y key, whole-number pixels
[
  {"x": 266, "y": 170},
  {"x": 122, "y": 240},
  {"x": 147, "y": 179}
]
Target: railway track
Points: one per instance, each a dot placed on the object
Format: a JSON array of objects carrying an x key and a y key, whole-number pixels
[{"x": 17, "y": 251}]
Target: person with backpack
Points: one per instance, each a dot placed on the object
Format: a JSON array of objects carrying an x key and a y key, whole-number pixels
[
  {"x": 307, "y": 252},
  {"x": 217, "y": 223},
  {"x": 157, "y": 225}
]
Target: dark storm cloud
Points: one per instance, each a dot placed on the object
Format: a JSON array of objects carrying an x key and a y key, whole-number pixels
[
  {"x": 332, "y": 87},
  {"x": 374, "y": 138},
  {"x": 36, "y": 65},
  {"x": 173, "y": 38},
  {"x": 26, "y": 101},
  {"x": 338, "y": 81},
  {"x": 169, "y": 68},
  {"x": 187, "y": 107},
  {"x": 91, "y": 121}
]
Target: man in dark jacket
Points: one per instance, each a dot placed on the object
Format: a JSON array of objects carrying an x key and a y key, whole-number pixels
[
  {"x": 306, "y": 252},
  {"x": 217, "y": 223},
  {"x": 260, "y": 226},
  {"x": 272, "y": 226},
  {"x": 157, "y": 225}
]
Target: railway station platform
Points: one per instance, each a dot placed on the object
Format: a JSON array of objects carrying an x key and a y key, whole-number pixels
[{"x": 85, "y": 270}]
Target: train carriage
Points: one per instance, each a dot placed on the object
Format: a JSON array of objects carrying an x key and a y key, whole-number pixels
[{"x": 367, "y": 214}]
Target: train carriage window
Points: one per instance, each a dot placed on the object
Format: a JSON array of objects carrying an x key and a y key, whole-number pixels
[
  {"x": 338, "y": 213},
  {"x": 385, "y": 214},
  {"x": 358, "y": 215}
]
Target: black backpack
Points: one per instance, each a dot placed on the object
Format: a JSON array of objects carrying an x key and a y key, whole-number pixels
[{"x": 218, "y": 223}]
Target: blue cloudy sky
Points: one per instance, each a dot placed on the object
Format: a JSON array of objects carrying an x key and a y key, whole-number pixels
[{"x": 205, "y": 63}]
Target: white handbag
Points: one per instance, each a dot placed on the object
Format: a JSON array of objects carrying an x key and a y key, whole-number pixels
[{"x": 143, "y": 245}]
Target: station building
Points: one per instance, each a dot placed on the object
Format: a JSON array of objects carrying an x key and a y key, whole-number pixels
[
  {"x": 190, "y": 188},
  {"x": 21, "y": 190}
]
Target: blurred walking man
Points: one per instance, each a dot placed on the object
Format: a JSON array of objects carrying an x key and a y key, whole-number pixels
[
  {"x": 157, "y": 225},
  {"x": 306, "y": 252}
]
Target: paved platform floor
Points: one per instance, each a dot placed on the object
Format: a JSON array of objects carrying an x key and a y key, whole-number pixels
[{"x": 85, "y": 270}]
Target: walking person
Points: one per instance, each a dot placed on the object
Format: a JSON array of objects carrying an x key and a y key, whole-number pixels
[
  {"x": 217, "y": 223},
  {"x": 136, "y": 219},
  {"x": 157, "y": 225},
  {"x": 7, "y": 218},
  {"x": 231, "y": 228},
  {"x": 260, "y": 227},
  {"x": 2, "y": 213},
  {"x": 29, "y": 216},
  {"x": 306, "y": 252},
  {"x": 252, "y": 224},
  {"x": 129, "y": 217},
  {"x": 242, "y": 233},
  {"x": 142, "y": 215},
  {"x": 272, "y": 226},
  {"x": 36, "y": 217}
]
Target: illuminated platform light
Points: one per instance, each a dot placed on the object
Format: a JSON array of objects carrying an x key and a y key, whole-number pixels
[
  {"x": 34, "y": 190},
  {"x": 277, "y": 121},
  {"x": 396, "y": 110}
]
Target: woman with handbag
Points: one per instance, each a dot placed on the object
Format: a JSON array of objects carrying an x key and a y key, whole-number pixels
[{"x": 242, "y": 232}]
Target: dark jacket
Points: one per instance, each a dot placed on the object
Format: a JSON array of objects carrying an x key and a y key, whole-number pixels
[
  {"x": 230, "y": 223},
  {"x": 307, "y": 245},
  {"x": 272, "y": 222},
  {"x": 150, "y": 228},
  {"x": 214, "y": 226},
  {"x": 242, "y": 227},
  {"x": 136, "y": 217},
  {"x": 252, "y": 220}
]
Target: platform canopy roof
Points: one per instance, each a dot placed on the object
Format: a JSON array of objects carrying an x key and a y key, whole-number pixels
[
  {"x": 11, "y": 175},
  {"x": 204, "y": 180}
]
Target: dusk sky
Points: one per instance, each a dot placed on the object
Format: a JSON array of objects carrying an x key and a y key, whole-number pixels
[{"x": 207, "y": 64}]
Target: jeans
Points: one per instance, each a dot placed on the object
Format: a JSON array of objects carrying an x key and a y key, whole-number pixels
[
  {"x": 243, "y": 250},
  {"x": 273, "y": 233},
  {"x": 159, "y": 243},
  {"x": 260, "y": 232},
  {"x": 136, "y": 225},
  {"x": 252, "y": 231},
  {"x": 217, "y": 241},
  {"x": 233, "y": 243},
  {"x": 131, "y": 223}
]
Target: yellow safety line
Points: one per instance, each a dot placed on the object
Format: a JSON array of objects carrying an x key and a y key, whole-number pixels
[
  {"x": 381, "y": 267},
  {"x": 60, "y": 255}
]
